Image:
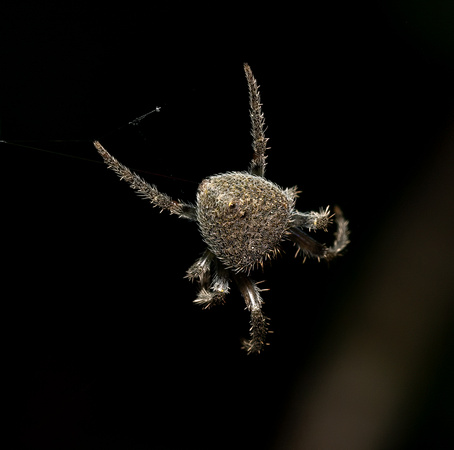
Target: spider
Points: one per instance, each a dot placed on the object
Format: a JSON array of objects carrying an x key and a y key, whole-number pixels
[{"x": 243, "y": 218}]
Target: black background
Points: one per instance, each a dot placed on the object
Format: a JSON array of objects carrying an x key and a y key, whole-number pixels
[{"x": 104, "y": 346}]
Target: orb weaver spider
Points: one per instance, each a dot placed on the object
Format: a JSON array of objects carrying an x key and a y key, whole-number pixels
[{"x": 243, "y": 219}]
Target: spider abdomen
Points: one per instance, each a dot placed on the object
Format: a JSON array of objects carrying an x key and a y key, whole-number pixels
[{"x": 243, "y": 217}]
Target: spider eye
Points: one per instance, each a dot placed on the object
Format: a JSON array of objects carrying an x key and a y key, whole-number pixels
[{"x": 232, "y": 205}]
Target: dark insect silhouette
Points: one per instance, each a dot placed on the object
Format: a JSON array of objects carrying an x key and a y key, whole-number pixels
[{"x": 243, "y": 218}]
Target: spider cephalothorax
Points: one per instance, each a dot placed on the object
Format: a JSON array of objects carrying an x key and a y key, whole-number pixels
[{"x": 243, "y": 218}]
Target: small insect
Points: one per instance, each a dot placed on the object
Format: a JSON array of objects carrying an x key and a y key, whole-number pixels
[{"x": 243, "y": 219}]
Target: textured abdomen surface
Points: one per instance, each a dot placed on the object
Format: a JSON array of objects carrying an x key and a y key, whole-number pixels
[{"x": 242, "y": 217}]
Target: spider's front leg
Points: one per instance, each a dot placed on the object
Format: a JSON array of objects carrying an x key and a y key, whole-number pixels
[
  {"x": 259, "y": 325},
  {"x": 211, "y": 292},
  {"x": 145, "y": 190},
  {"x": 258, "y": 163}
]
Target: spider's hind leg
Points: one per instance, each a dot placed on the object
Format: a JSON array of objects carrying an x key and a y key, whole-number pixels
[
  {"x": 259, "y": 324},
  {"x": 211, "y": 292}
]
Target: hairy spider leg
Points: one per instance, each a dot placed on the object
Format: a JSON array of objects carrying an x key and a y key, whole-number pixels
[
  {"x": 145, "y": 190},
  {"x": 341, "y": 235},
  {"x": 259, "y": 323},
  {"x": 313, "y": 220},
  {"x": 310, "y": 247},
  {"x": 259, "y": 141},
  {"x": 211, "y": 293}
]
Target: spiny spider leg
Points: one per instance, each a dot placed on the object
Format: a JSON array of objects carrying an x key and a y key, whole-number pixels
[
  {"x": 313, "y": 220},
  {"x": 341, "y": 235},
  {"x": 146, "y": 190},
  {"x": 253, "y": 300},
  {"x": 210, "y": 293},
  {"x": 201, "y": 269},
  {"x": 258, "y": 162},
  {"x": 220, "y": 284},
  {"x": 310, "y": 247}
]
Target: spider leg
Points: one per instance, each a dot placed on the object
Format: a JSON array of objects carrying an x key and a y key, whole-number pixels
[
  {"x": 313, "y": 220},
  {"x": 341, "y": 236},
  {"x": 258, "y": 162},
  {"x": 146, "y": 190},
  {"x": 210, "y": 293},
  {"x": 220, "y": 285},
  {"x": 310, "y": 247},
  {"x": 259, "y": 325}
]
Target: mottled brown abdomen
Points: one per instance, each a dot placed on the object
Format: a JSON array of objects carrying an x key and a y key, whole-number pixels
[{"x": 243, "y": 218}]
